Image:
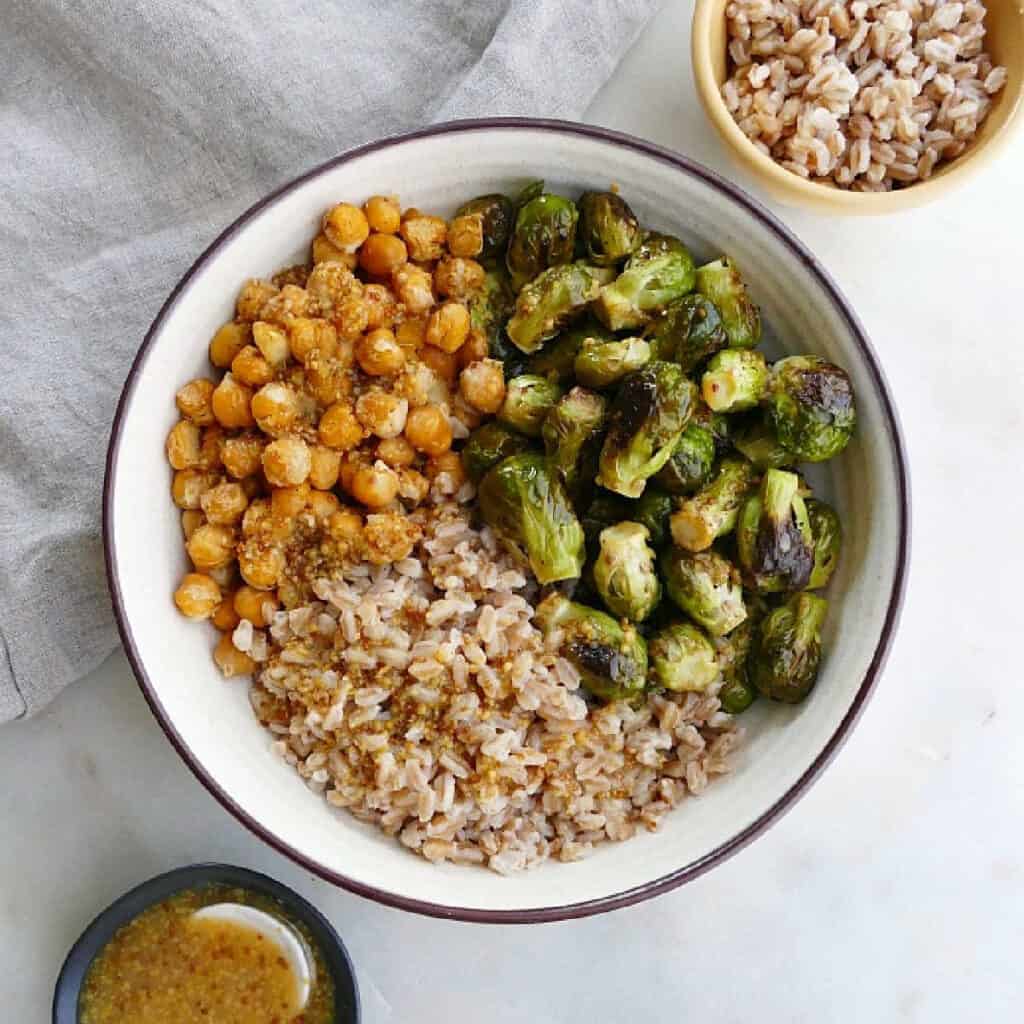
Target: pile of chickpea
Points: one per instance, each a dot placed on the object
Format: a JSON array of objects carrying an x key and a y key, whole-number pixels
[{"x": 346, "y": 383}]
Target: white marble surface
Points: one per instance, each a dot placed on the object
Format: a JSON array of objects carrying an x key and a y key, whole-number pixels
[{"x": 893, "y": 892}]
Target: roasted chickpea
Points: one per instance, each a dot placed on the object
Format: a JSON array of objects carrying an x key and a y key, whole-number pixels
[
  {"x": 462, "y": 411},
  {"x": 396, "y": 452},
  {"x": 286, "y": 503},
  {"x": 329, "y": 380},
  {"x": 296, "y": 274},
  {"x": 257, "y": 606},
  {"x": 381, "y": 255},
  {"x": 261, "y": 564},
  {"x": 228, "y": 341},
  {"x": 482, "y": 384},
  {"x": 224, "y": 617},
  {"x": 466, "y": 235},
  {"x": 427, "y": 429},
  {"x": 211, "y": 445},
  {"x": 448, "y": 465},
  {"x": 409, "y": 334},
  {"x": 444, "y": 364},
  {"x": 381, "y": 306},
  {"x": 255, "y": 294},
  {"x": 191, "y": 520},
  {"x": 339, "y": 428},
  {"x": 182, "y": 445},
  {"x": 379, "y": 354},
  {"x": 389, "y": 536},
  {"x": 475, "y": 347},
  {"x": 272, "y": 341},
  {"x": 382, "y": 413},
  {"x": 189, "y": 485},
  {"x": 224, "y": 503},
  {"x": 323, "y": 467},
  {"x": 448, "y": 327},
  {"x": 323, "y": 503},
  {"x": 225, "y": 576},
  {"x": 193, "y": 401},
  {"x": 291, "y": 301},
  {"x": 345, "y": 525},
  {"x": 458, "y": 278},
  {"x": 375, "y": 486},
  {"x": 414, "y": 288},
  {"x": 346, "y": 226},
  {"x": 251, "y": 368},
  {"x": 275, "y": 408},
  {"x": 211, "y": 545},
  {"x": 325, "y": 251},
  {"x": 286, "y": 462},
  {"x": 424, "y": 235},
  {"x": 351, "y": 463},
  {"x": 230, "y": 403},
  {"x": 241, "y": 455},
  {"x": 197, "y": 596},
  {"x": 413, "y": 487},
  {"x": 340, "y": 298},
  {"x": 230, "y": 660},
  {"x": 383, "y": 214},
  {"x": 307, "y": 335}
]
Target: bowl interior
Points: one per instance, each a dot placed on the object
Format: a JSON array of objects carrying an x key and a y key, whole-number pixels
[{"x": 210, "y": 720}]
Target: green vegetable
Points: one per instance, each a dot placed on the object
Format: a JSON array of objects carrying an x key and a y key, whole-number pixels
[
  {"x": 605, "y": 509},
  {"x": 487, "y": 446},
  {"x": 712, "y": 512},
  {"x": 756, "y": 440},
  {"x": 682, "y": 659},
  {"x": 599, "y": 364},
  {"x": 688, "y": 332},
  {"x": 524, "y": 502},
  {"x": 773, "y": 535},
  {"x": 608, "y": 228},
  {"x": 624, "y": 572},
  {"x": 720, "y": 427},
  {"x": 691, "y": 462},
  {"x": 652, "y": 509},
  {"x": 544, "y": 236},
  {"x": 735, "y": 379},
  {"x": 572, "y": 433},
  {"x": 553, "y": 298},
  {"x": 786, "y": 652},
  {"x": 556, "y": 358},
  {"x": 827, "y": 531},
  {"x": 490, "y": 307},
  {"x": 705, "y": 586},
  {"x": 610, "y": 657},
  {"x": 649, "y": 413},
  {"x": 528, "y": 399},
  {"x": 496, "y": 216},
  {"x": 720, "y": 282},
  {"x": 733, "y": 652},
  {"x": 659, "y": 271},
  {"x": 811, "y": 406}
]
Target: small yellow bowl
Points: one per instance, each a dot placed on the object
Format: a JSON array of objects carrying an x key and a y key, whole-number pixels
[{"x": 1004, "y": 41}]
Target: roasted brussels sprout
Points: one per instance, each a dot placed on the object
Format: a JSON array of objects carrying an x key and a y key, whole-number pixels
[
  {"x": 611, "y": 658},
  {"x": 487, "y": 446},
  {"x": 556, "y": 358},
  {"x": 496, "y": 216},
  {"x": 811, "y": 406},
  {"x": 720, "y": 282},
  {"x": 733, "y": 653},
  {"x": 649, "y": 413},
  {"x": 524, "y": 502},
  {"x": 489, "y": 309},
  {"x": 652, "y": 509},
  {"x": 735, "y": 379},
  {"x": 624, "y": 572},
  {"x": 719, "y": 426},
  {"x": 691, "y": 461},
  {"x": 713, "y": 510},
  {"x": 553, "y": 298},
  {"x": 705, "y": 586},
  {"x": 605, "y": 509},
  {"x": 755, "y": 439},
  {"x": 544, "y": 236},
  {"x": 528, "y": 399},
  {"x": 688, "y": 332},
  {"x": 827, "y": 532},
  {"x": 600, "y": 364},
  {"x": 572, "y": 433},
  {"x": 681, "y": 659},
  {"x": 659, "y": 271},
  {"x": 786, "y": 651},
  {"x": 773, "y": 536},
  {"x": 608, "y": 228}
]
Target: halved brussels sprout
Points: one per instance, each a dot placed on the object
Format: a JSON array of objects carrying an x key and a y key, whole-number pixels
[
  {"x": 599, "y": 364},
  {"x": 688, "y": 332},
  {"x": 624, "y": 572},
  {"x": 556, "y": 358},
  {"x": 691, "y": 462},
  {"x": 720, "y": 282},
  {"x": 528, "y": 399},
  {"x": 682, "y": 659},
  {"x": 733, "y": 652},
  {"x": 488, "y": 445},
  {"x": 811, "y": 406},
  {"x": 786, "y": 652},
  {"x": 572, "y": 434},
  {"x": 608, "y": 228},
  {"x": 735, "y": 379},
  {"x": 706, "y": 586},
  {"x": 827, "y": 531},
  {"x": 544, "y": 236},
  {"x": 496, "y": 215},
  {"x": 712, "y": 512}
]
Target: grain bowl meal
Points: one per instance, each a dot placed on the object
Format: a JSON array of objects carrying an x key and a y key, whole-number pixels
[
  {"x": 869, "y": 95},
  {"x": 501, "y": 516}
]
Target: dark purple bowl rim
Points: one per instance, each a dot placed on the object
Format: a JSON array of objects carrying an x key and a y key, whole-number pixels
[{"x": 698, "y": 867}]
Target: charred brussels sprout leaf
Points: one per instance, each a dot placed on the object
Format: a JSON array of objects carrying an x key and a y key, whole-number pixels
[
  {"x": 649, "y": 413},
  {"x": 528, "y": 399},
  {"x": 659, "y": 271},
  {"x": 733, "y": 653},
  {"x": 828, "y": 540},
  {"x": 720, "y": 282},
  {"x": 599, "y": 364},
  {"x": 682, "y": 659},
  {"x": 811, "y": 406},
  {"x": 773, "y": 536},
  {"x": 524, "y": 502},
  {"x": 712, "y": 512},
  {"x": 786, "y": 652},
  {"x": 531, "y": 190},
  {"x": 487, "y": 446},
  {"x": 556, "y": 359},
  {"x": 705, "y": 586},
  {"x": 490, "y": 307},
  {"x": 548, "y": 302},
  {"x": 691, "y": 461},
  {"x": 611, "y": 658},
  {"x": 496, "y": 216},
  {"x": 688, "y": 332},
  {"x": 544, "y": 236},
  {"x": 572, "y": 432},
  {"x": 734, "y": 380},
  {"x": 608, "y": 228},
  {"x": 756, "y": 440},
  {"x": 624, "y": 572}
]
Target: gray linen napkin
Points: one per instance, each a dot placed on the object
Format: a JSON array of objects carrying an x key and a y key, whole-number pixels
[{"x": 133, "y": 132}]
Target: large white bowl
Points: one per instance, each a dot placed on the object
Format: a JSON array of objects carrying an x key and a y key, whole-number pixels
[{"x": 209, "y": 721}]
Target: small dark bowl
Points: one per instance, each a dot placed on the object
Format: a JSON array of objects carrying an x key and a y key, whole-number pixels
[{"x": 133, "y": 903}]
